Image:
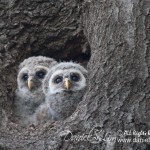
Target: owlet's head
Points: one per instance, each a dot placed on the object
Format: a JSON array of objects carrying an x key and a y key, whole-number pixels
[
  {"x": 32, "y": 71},
  {"x": 65, "y": 77}
]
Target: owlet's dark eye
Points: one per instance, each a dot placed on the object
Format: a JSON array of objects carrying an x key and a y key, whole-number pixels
[
  {"x": 75, "y": 77},
  {"x": 25, "y": 77},
  {"x": 58, "y": 80},
  {"x": 41, "y": 74}
]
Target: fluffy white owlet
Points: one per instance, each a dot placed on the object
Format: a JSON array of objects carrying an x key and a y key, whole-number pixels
[
  {"x": 29, "y": 94},
  {"x": 64, "y": 86}
]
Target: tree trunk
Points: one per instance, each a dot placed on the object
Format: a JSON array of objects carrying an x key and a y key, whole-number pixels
[{"x": 115, "y": 109}]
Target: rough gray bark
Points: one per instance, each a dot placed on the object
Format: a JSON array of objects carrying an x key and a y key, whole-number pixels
[{"x": 117, "y": 98}]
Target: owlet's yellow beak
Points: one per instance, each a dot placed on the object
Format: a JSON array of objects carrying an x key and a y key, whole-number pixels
[
  {"x": 30, "y": 84},
  {"x": 67, "y": 83}
]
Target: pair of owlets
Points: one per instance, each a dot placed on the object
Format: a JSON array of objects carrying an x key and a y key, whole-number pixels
[{"x": 48, "y": 90}]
